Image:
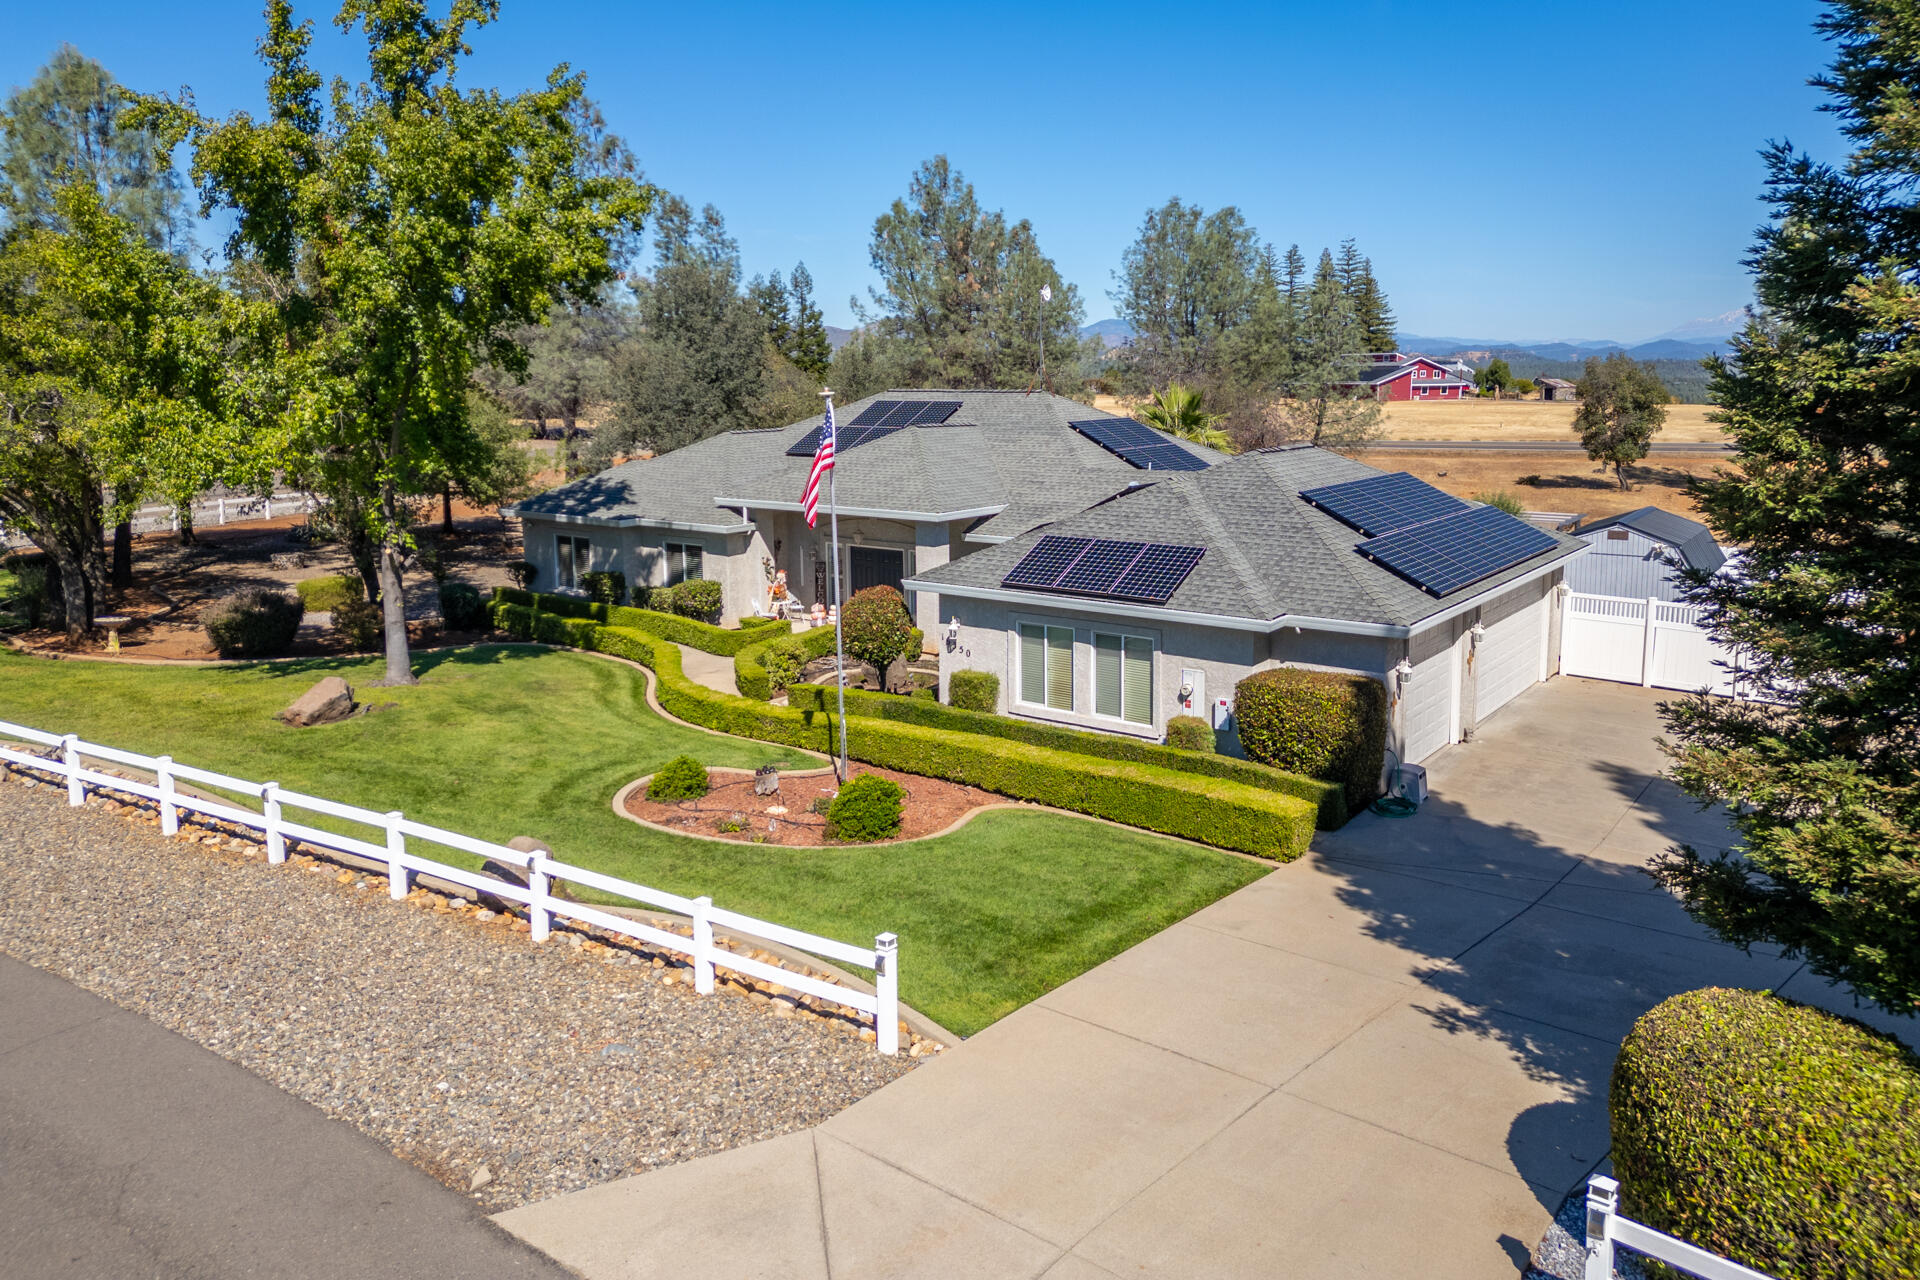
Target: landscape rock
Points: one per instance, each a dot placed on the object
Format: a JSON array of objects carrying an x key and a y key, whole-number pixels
[
  {"x": 860, "y": 675},
  {"x": 326, "y": 702},
  {"x": 897, "y": 678},
  {"x": 766, "y": 780}
]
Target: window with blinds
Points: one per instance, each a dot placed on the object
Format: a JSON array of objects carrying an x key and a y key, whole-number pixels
[
  {"x": 1046, "y": 666},
  {"x": 686, "y": 562},
  {"x": 1123, "y": 677},
  {"x": 573, "y": 559}
]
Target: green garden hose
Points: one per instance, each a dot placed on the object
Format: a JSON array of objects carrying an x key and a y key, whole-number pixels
[{"x": 1394, "y": 807}]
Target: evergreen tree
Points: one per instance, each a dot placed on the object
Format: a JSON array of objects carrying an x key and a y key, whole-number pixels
[
  {"x": 1821, "y": 402},
  {"x": 1369, "y": 301},
  {"x": 1293, "y": 275},
  {"x": 1622, "y": 403},
  {"x": 769, "y": 296},
  {"x": 1315, "y": 407},
  {"x": 810, "y": 350},
  {"x": 1185, "y": 282}
]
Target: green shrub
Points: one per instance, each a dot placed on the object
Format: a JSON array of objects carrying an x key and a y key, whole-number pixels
[
  {"x": 867, "y": 809},
  {"x": 822, "y": 805},
  {"x": 358, "y": 622},
  {"x": 1327, "y": 797},
  {"x": 681, "y": 778},
  {"x": 523, "y": 572},
  {"x": 1775, "y": 1134},
  {"x": 321, "y": 595},
  {"x": 877, "y": 626},
  {"x": 29, "y": 595},
  {"x": 751, "y": 620},
  {"x": 462, "y": 607},
  {"x": 1501, "y": 500},
  {"x": 698, "y": 598},
  {"x": 974, "y": 690},
  {"x": 783, "y": 668},
  {"x": 1324, "y": 724},
  {"x": 605, "y": 586},
  {"x": 1190, "y": 733},
  {"x": 256, "y": 623},
  {"x": 660, "y": 599},
  {"x": 512, "y": 595},
  {"x": 571, "y": 607},
  {"x": 693, "y": 633},
  {"x": 1528, "y": 480},
  {"x": 755, "y": 664}
]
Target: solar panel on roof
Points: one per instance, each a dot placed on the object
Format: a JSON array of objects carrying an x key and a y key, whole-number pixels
[
  {"x": 887, "y": 415},
  {"x": 1454, "y": 551},
  {"x": 900, "y": 415},
  {"x": 933, "y": 412},
  {"x": 1138, "y": 444},
  {"x": 1144, "y": 571},
  {"x": 873, "y": 413},
  {"x": 1381, "y": 504}
]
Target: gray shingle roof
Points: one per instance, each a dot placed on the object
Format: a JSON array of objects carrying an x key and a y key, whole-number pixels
[
  {"x": 1693, "y": 540},
  {"x": 1009, "y": 452},
  {"x": 1269, "y": 553}
]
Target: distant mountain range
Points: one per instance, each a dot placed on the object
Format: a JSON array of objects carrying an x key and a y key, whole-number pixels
[{"x": 837, "y": 337}]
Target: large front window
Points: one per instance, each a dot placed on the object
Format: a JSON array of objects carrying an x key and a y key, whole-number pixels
[
  {"x": 686, "y": 562},
  {"x": 573, "y": 559},
  {"x": 1123, "y": 677},
  {"x": 1046, "y": 666}
]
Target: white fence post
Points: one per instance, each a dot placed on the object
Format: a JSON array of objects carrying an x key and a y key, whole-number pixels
[
  {"x": 538, "y": 917},
  {"x": 396, "y": 845},
  {"x": 1646, "y": 647},
  {"x": 1603, "y": 1200},
  {"x": 223, "y": 511},
  {"x": 702, "y": 946},
  {"x": 169, "y": 814},
  {"x": 886, "y": 986},
  {"x": 270, "y": 808},
  {"x": 70, "y": 754}
]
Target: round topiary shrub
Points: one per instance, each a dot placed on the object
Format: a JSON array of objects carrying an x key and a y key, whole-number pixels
[
  {"x": 322, "y": 595},
  {"x": 1324, "y": 724},
  {"x": 877, "y": 626},
  {"x": 1773, "y": 1133},
  {"x": 463, "y": 608},
  {"x": 974, "y": 690},
  {"x": 1190, "y": 733},
  {"x": 660, "y": 599},
  {"x": 254, "y": 624},
  {"x": 867, "y": 808},
  {"x": 359, "y": 623},
  {"x": 681, "y": 778},
  {"x": 698, "y": 598},
  {"x": 523, "y": 572}
]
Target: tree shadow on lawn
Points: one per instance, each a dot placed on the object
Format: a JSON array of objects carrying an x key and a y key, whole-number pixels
[
  {"x": 424, "y": 663},
  {"x": 1541, "y": 936}
]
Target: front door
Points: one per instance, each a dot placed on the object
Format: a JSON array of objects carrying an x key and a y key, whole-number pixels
[{"x": 877, "y": 567}]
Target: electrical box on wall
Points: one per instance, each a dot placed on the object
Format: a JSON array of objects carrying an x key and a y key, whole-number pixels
[
  {"x": 1222, "y": 713},
  {"x": 1193, "y": 691}
]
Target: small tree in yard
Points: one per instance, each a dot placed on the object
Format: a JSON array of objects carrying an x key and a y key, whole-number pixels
[
  {"x": 1622, "y": 403},
  {"x": 404, "y": 236},
  {"x": 1496, "y": 377},
  {"x": 877, "y": 626}
]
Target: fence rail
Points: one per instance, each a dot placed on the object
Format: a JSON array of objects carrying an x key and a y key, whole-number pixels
[
  {"x": 882, "y": 1004},
  {"x": 207, "y": 512},
  {"x": 1607, "y": 1229}
]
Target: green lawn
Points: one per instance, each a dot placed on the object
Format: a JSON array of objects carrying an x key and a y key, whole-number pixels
[{"x": 501, "y": 741}]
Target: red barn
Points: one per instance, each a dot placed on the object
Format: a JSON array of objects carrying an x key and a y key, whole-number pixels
[{"x": 1390, "y": 375}]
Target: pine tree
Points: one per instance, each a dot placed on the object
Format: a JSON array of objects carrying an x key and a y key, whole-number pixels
[
  {"x": 1821, "y": 401},
  {"x": 769, "y": 295},
  {"x": 1354, "y": 271},
  {"x": 809, "y": 349}
]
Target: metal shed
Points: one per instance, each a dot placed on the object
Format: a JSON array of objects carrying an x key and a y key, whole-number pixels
[{"x": 1639, "y": 554}]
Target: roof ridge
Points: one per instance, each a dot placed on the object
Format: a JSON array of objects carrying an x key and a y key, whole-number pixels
[{"x": 1237, "y": 561}]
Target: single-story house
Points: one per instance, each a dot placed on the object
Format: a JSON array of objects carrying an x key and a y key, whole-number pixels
[
  {"x": 922, "y": 477},
  {"x": 1158, "y": 600},
  {"x": 1557, "y": 389},
  {"x": 1389, "y": 375},
  {"x": 1641, "y": 553}
]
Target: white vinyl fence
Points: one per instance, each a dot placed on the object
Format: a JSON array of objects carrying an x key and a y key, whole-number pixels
[
  {"x": 883, "y": 1003},
  {"x": 208, "y": 512},
  {"x": 1653, "y": 643},
  {"x": 1606, "y": 1229}
]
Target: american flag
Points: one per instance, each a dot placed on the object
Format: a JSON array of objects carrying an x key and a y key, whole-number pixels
[{"x": 822, "y": 463}]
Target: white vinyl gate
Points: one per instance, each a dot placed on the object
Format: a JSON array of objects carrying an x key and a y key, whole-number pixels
[{"x": 1652, "y": 643}]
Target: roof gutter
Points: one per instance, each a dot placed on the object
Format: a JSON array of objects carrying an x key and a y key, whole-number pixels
[
  {"x": 873, "y": 513},
  {"x": 624, "y": 522}
]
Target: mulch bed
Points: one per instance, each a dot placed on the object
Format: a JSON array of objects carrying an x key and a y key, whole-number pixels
[{"x": 930, "y": 805}]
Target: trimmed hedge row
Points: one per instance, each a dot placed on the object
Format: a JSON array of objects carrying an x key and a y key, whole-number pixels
[
  {"x": 725, "y": 641},
  {"x": 1214, "y": 811},
  {"x": 750, "y": 676},
  {"x": 1328, "y": 798}
]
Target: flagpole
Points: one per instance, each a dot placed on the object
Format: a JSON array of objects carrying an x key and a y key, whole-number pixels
[{"x": 839, "y": 603}]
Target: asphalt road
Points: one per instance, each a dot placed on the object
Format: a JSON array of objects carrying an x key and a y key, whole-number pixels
[
  {"x": 130, "y": 1153},
  {"x": 1534, "y": 446}
]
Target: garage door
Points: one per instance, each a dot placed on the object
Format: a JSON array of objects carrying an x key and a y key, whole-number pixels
[
  {"x": 1508, "y": 659},
  {"x": 1426, "y": 706}
]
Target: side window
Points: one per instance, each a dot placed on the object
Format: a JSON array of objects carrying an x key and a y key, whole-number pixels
[
  {"x": 1123, "y": 678},
  {"x": 573, "y": 559},
  {"x": 686, "y": 561},
  {"x": 1046, "y": 666}
]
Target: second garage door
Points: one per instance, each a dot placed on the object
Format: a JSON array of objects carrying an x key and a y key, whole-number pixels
[{"x": 1509, "y": 658}]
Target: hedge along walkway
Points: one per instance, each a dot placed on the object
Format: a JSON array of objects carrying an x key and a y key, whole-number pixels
[
  {"x": 507, "y": 740},
  {"x": 709, "y": 669}
]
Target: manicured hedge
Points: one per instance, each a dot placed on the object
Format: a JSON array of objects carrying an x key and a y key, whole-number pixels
[
  {"x": 974, "y": 691},
  {"x": 867, "y": 809},
  {"x": 1775, "y": 1134},
  {"x": 692, "y": 632},
  {"x": 1212, "y": 810},
  {"x": 1324, "y": 724},
  {"x": 1191, "y": 733},
  {"x": 1326, "y": 797},
  {"x": 750, "y": 675}
]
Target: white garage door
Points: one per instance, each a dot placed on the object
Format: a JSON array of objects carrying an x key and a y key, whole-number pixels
[
  {"x": 1507, "y": 662},
  {"x": 1426, "y": 706}
]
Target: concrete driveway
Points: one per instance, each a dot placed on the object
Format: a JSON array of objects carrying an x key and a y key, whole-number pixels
[{"x": 1389, "y": 1058}]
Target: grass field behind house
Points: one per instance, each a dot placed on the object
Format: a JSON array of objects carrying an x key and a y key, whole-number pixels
[
  {"x": 500, "y": 741},
  {"x": 1527, "y": 420}
]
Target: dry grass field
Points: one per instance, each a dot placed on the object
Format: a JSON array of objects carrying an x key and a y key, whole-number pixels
[
  {"x": 1567, "y": 481},
  {"x": 1478, "y": 419}
]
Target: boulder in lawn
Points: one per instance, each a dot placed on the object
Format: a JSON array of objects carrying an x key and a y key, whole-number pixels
[
  {"x": 518, "y": 875},
  {"x": 329, "y": 700}
]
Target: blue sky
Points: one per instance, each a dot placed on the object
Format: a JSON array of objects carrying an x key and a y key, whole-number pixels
[{"x": 1517, "y": 171}]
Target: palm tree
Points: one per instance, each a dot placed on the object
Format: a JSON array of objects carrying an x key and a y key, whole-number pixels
[{"x": 1181, "y": 411}]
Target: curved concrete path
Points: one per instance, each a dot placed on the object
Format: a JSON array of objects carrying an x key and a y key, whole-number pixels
[
  {"x": 128, "y": 1151},
  {"x": 709, "y": 669},
  {"x": 1389, "y": 1059}
]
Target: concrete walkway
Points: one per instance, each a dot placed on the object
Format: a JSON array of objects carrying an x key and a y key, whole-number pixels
[
  {"x": 709, "y": 669},
  {"x": 128, "y": 1151},
  {"x": 1387, "y": 1059}
]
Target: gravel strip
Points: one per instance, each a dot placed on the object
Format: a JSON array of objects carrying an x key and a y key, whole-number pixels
[
  {"x": 1562, "y": 1252},
  {"x": 503, "y": 1068}
]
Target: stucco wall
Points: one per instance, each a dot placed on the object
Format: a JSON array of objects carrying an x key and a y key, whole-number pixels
[{"x": 731, "y": 559}]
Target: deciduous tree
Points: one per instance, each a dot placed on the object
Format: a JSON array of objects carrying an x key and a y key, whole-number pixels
[{"x": 1622, "y": 403}]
